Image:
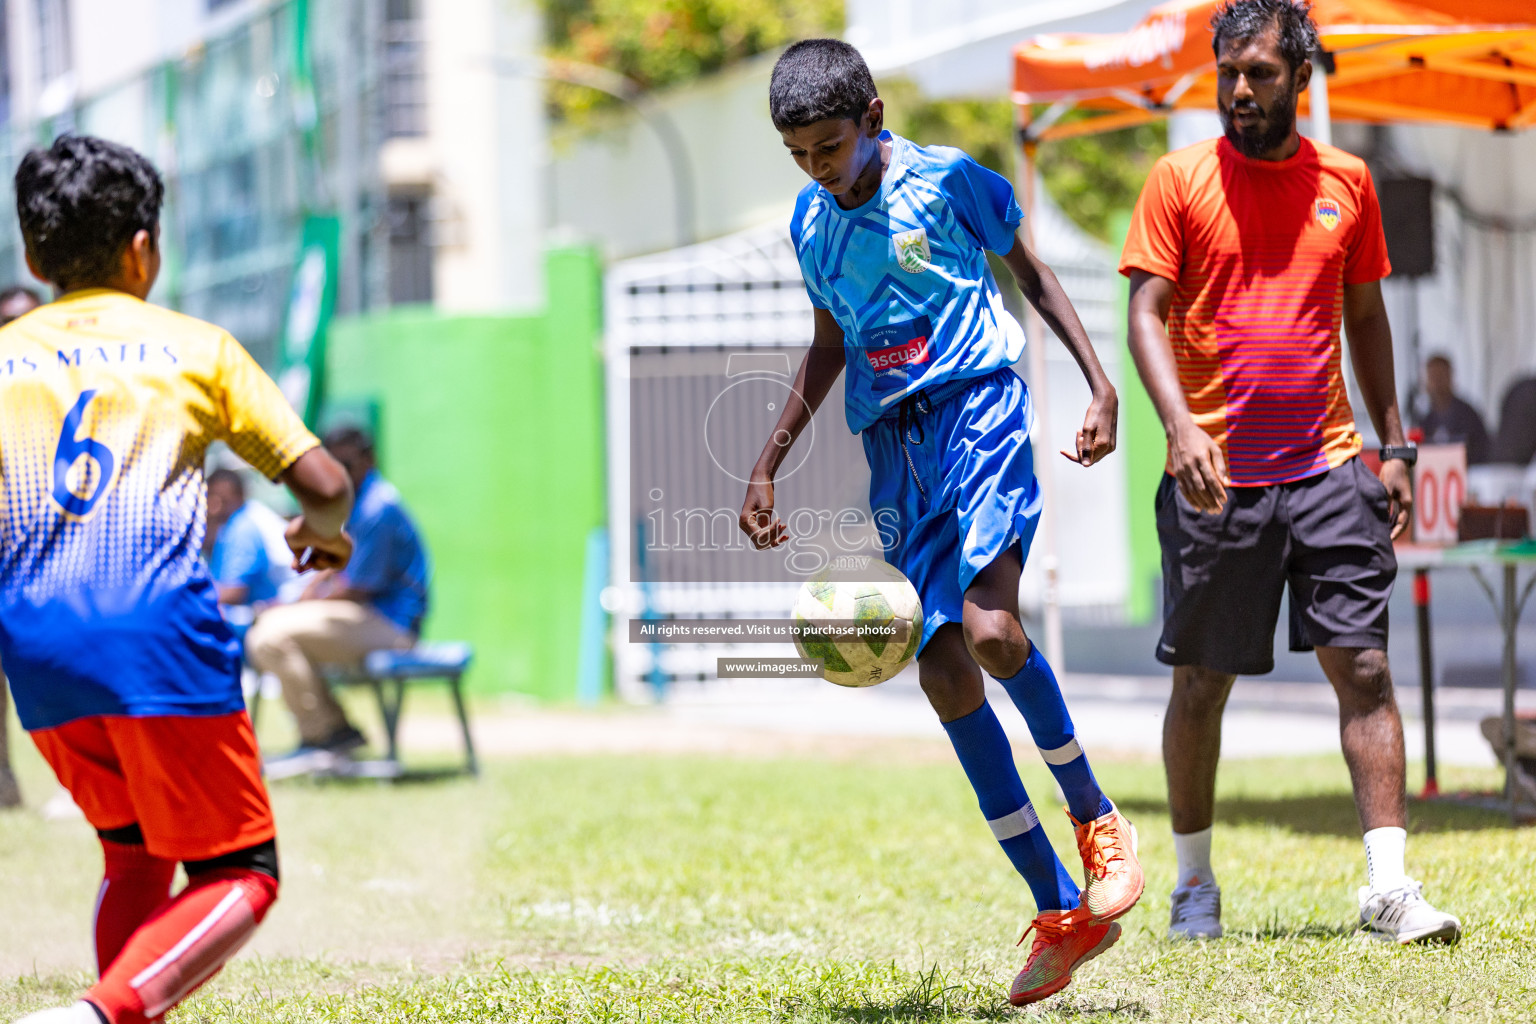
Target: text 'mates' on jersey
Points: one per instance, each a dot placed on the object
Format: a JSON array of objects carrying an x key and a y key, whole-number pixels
[
  {"x": 1259, "y": 252},
  {"x": 906, "y": 275},
  {"x": 107, "y": 407}
]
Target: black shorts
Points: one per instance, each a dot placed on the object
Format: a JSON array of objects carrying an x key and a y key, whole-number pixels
[{"x": 1328, "y": 536}]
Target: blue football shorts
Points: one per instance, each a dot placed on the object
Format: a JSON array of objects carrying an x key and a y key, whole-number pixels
[{"x": 952, "y": 486}]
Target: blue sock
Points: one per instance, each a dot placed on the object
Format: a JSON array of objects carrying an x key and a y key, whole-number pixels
[
  {"x": 1037, "y": 695},
  {"x": 987, "y": 758}
]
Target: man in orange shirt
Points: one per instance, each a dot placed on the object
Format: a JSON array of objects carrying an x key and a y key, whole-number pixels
[{"x": 1245, "y": 254}]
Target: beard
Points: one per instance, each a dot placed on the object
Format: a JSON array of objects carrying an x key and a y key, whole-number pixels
[{"x": 1274, "y": 126}]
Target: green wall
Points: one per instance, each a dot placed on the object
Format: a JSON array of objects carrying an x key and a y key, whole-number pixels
[{"x": 492, "y": 429}]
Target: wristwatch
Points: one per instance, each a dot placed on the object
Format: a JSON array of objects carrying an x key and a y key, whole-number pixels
[{"x": 1407, "y": 452}]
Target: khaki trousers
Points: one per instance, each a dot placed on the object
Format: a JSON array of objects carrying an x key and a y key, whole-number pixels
[
  {"x": 293, "y": 642},
  {"x": 10, "y": 795}
]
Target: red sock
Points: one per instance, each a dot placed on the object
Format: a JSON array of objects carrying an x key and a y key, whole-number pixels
[
  {"x": 134, "y": 886},
  {"x": 183, "y": 944}
]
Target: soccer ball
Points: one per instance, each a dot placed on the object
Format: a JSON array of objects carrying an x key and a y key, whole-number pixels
[{"x": 880, "y": 603}]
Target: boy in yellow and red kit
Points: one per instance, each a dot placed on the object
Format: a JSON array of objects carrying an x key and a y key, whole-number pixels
[{"x": 122, "y": 668}]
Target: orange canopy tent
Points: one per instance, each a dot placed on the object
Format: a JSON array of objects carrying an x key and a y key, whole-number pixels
[{"x": 1466, "y": 62}]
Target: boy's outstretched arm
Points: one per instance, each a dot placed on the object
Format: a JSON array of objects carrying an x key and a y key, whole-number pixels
[
  {"x": 324, "y": 493},
  {"x": 818, "y": 372},
  {"x": 1097, "y": 437}
]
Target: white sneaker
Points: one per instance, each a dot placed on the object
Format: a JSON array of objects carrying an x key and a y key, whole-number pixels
[
  {"x": 79, "y": 1013},
  {"x": 62, "y": 807},
  {"x": 1402, "y": 915},
  {"x": 1195, "y": 912},
  {"x": 303, "y": 761}
]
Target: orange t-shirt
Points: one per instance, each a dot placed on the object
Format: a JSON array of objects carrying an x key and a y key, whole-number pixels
[{"x": 1259, "y": 252}]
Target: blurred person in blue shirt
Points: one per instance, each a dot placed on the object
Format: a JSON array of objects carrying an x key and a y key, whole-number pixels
[
  {"x": 237, "y": 546},
  {"x": 377, "y": 603}
]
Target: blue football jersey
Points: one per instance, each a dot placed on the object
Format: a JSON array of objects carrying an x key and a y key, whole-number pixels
[{"x": 906, "y": 275}]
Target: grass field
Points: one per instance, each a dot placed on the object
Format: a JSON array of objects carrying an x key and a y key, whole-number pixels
[{"x": 816, "y": 889}]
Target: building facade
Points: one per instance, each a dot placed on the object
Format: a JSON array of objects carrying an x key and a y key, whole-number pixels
[{"x": 394, "y": 116}]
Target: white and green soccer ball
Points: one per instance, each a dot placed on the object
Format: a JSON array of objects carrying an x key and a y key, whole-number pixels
[{"x": 877, "y": 598}]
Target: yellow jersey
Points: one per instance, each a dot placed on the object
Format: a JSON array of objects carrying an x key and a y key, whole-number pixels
[{"x": 107, "y": 407}]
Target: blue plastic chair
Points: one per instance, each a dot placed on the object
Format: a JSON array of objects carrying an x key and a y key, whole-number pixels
[{"x": 389, "y": 672}]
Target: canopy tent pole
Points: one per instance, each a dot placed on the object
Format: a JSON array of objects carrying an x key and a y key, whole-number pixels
[
  {"x": 1322, "y": 117},
  {"x": 1039, "y": 391}
]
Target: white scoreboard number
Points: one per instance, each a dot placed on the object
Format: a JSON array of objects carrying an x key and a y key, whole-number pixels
[{"x": 1439, "y": 491}]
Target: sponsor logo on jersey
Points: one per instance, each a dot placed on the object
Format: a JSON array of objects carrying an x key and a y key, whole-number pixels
[
  {"x": 912, "y": 252},
  {"x": 914, "y": 351},
  {"x": 895, "y": 351},
  {"x": 1327, "y": 213}
]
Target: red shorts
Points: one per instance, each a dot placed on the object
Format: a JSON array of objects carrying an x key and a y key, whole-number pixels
[{"x": 192, "y": 784}]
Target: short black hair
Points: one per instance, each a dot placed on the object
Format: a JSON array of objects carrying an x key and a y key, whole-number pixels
[
  {"x": 228, "y": 476},
  {"x": 80, "y": 201},
  {"x": 1245, "y": 19},
  {"x": 349, "y": 436},
  {"x": 816, "y": 80}
]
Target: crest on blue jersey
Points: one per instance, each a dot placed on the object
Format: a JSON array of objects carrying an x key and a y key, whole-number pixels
[{"x": 912, "y": 252}]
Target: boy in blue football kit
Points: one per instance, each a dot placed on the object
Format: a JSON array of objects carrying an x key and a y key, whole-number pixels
[{"x": 892, "y": 240}]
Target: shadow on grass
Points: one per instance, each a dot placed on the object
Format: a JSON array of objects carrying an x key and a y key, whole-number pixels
[
  {"x": 900, "y": 1012},
  {"x": 403, "y": 777},
  {"x": 931, "y": 998},
  {"x": 1333, "y": 814},
  {"x": 1275, "y": 928}
]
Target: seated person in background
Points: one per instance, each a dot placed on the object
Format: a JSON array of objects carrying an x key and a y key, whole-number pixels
[
  {"x": 377, "y": 603},
  {"x": 1517, "y": 424},
  {"x": 10, "y": 792},
  {"x": 15, "y": 301},
  {"x": 236, "y": 548},
  {"x": 1451, "y": 419}
]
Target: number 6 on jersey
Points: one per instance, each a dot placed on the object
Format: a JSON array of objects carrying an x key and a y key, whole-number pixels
[{"x": 69, "y": 451}]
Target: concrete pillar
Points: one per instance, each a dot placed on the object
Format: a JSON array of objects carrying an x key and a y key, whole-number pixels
[{"x": 487, "y": 137}]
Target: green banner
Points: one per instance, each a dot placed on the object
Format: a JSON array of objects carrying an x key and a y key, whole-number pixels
[{"x": 310, "y": 302}]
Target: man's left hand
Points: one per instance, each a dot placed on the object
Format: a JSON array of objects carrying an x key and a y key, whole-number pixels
[
  {"x": 1398, "y": 480},
  {"x": 1097, "y": 438}
]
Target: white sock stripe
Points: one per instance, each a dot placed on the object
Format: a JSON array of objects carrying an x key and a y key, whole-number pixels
[
  {"x": 1014, "y": 824},
  {"x": 149, "y": 973},
  {"x": 189, "y": 986},
  {"x": 1065, "y": 754}
]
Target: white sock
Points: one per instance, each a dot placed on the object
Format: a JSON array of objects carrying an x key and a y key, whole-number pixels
[
  {"x": 1194, "y": 853},
  {"x": 1384, "y": 857}
]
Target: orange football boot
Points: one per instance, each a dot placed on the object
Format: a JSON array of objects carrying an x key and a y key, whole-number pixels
[
  {"x": 1064, "y": 941},
  {"x": 1112, "y": 872}
]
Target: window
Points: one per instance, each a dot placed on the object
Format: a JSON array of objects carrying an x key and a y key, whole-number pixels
[
  {"x": 410, "y": 249},
  {"x": 53, "y": 40},
  {"x": 5, "y": 64},
  {"x": 405, "y": 79}
]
